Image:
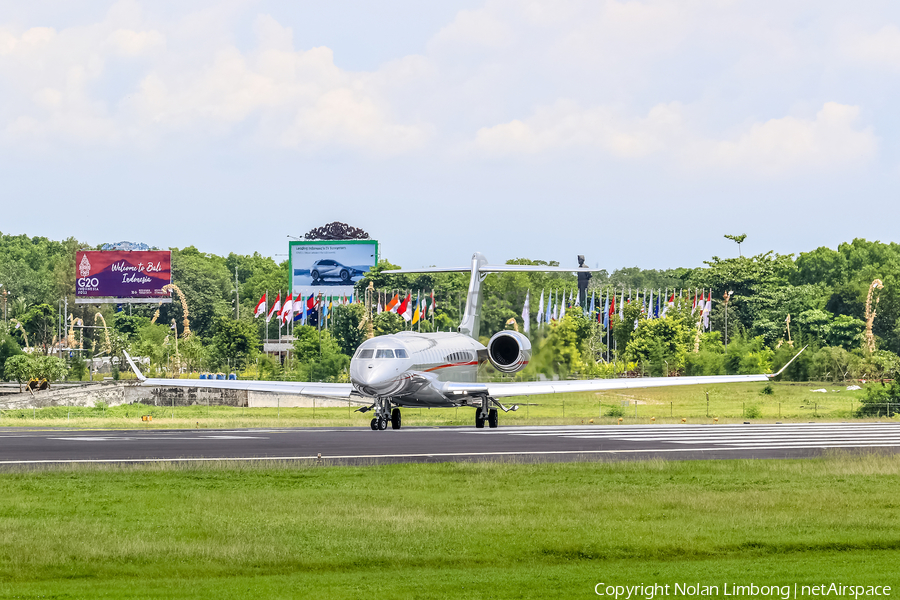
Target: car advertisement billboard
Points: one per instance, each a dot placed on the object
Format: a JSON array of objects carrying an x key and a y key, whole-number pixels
[
  {"x": 122, "y": 274},
  {"x": 330, "y": 268}
]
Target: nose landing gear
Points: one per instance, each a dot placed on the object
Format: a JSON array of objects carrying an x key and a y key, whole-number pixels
[{"x": 384, "y": 415}]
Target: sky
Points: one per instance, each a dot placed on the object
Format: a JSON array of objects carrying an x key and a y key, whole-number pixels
[{"x": 636, "y": 133}]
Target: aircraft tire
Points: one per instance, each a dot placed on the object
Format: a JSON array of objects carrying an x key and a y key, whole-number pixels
[
  {"x": 479, "y": 422},
  {"x": 382, "y": 424},
  {"x": 493, "y": 420},
  {"x": 374, "y": 424},
  {"x": 395, "y": 419}
]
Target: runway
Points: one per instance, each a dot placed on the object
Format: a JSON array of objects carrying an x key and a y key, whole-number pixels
[{"x": 439, "y": 444}]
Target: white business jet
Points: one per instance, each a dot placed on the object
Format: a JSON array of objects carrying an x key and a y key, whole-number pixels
[{"x": 410, "y": 369}]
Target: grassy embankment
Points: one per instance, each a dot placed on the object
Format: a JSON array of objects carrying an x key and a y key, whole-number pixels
[
  {"x": 483, "y": 530},
  {"x": 729, "y": 403}
]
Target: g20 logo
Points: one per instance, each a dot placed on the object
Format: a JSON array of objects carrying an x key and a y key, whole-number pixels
[{"x": 88, "y": 283}]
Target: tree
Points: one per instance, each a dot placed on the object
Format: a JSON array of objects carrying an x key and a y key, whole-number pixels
[
  {"x": 662, "y": 343},
  {"x": 234, "y": 342},
  {"x": 738, "y": 239},
  {"x": 559, "y": 352},
  {"x": 319, "y": 355},
  {"x": 386, "y": 323},
  {"x": 8, "y": 348},
  {"x": 19, "y": 368},
  {"x": 345, "y": 327}
]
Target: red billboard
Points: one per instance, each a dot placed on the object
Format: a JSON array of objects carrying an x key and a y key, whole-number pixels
[{"x": 120, "y": 274}]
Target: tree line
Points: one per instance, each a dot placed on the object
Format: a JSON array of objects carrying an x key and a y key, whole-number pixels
[{"x": 778, "y": 304}]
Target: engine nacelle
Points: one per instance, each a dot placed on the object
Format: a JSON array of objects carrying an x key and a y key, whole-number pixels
[{"x": 509, "y": 351}]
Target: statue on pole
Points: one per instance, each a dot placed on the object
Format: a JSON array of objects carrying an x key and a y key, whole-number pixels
[{"x": 584, "y": 279}]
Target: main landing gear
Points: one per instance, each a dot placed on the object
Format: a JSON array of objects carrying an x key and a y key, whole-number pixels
[
  {"x": 485, "y": 413},
  {"x": 492, "y": 418}
]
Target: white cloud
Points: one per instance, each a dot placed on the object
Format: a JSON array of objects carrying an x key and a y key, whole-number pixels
[
  {"x": 878, "y": 49},
  {"x": 833, "y": 139},
  {"x": 65, "y": 90},
  {"x": 565, "y": 125}
]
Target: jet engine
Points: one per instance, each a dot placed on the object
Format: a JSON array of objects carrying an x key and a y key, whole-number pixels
[{"x": 509, "y": 351}]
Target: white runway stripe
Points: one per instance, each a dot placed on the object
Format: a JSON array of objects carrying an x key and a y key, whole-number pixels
[{"x": 793, "y": 435}]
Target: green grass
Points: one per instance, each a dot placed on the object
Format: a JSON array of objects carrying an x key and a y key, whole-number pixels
[
  {"x": 728, "y": 403},
  {"x": 457, "y": 530}
]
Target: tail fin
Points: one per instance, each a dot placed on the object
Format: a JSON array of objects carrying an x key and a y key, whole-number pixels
[{"x": 134, "y": 368}]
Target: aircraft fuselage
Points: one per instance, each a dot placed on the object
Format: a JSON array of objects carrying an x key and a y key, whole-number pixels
[{"x": 409, "y": 367}]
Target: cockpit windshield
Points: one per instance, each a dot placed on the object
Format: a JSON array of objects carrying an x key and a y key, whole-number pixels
[{"x": 382, "y": 353}]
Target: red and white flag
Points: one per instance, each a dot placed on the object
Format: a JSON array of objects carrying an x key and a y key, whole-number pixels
[
  {"x": 260, "y": 307},
  {"x": 706, "y": 310},
  {"x": 288, "y": 309},
  {"x": 275, "y": 310},
  {"x": 405, "y": 308}
]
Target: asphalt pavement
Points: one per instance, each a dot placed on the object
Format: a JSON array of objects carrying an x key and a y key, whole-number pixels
[{"x": 437, "y": 444}]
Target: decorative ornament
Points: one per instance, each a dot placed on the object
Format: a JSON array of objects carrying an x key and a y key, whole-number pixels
[{"x": 336, "y": 231}]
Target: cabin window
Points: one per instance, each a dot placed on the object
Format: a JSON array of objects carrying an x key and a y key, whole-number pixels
[
  {"x": 365, "y": 353},
  {"x": 458, "y": 357},
  {"x": 401, "y": 353},
  {"x": 387, "y": 353}
]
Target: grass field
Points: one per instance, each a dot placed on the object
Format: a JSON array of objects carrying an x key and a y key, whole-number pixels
[
  {"x": 483, "y": 530},
  {"x": 735, "y": 402}
]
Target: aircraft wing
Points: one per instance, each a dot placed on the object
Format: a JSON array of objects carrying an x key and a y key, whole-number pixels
[
  {"x": 529, "y": 388},
  {"x": 534, "y": 388},
  {"x": 303, "y": 388}
]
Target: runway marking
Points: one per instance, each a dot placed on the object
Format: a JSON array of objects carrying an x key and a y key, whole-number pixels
[
  {"x": 157, "y": 439},
  {"x": 419, "y": 455}
]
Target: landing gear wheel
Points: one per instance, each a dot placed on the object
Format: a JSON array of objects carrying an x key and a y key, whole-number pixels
[
  {"x": 382, "y": 424},
  {"x": 345, "y": 276},
  {"x": 479, "y": 420},
  {"x": 395, "y": 418},
  {"x": 492, "y": 418},
  {"x": 374, "y": 424}
]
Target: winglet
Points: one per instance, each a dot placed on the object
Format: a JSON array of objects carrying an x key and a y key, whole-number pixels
[
  {"x": 134, "y": 368},
  {"x": 781, "y": 370}
]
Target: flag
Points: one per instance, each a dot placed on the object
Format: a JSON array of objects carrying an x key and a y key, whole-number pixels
[
  {"x": 592, "y": 303},
  {"x": 431, "y": 305},
  {"x": 393, "y": 304},
  {"x": 622, "y": 305},
  {"x": 549, "y": 311},
  {"x": 417, "y": 311},
  {"x": 276, "y": 308},
  {"x": 540, "y": 312},
  {"x": 562, "y": 307},
  {"x": 260, "y": 306},
  {"x": 650, "y": 306},
  {"x": 299, "y": 310},
  {"x": 404, "y": 309},
  {"x": 607, "y": 310},
  {"x": 287, "y": 309},
  {"x": 706, "y": 309},
  {"x": 526, "y": 312}
]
